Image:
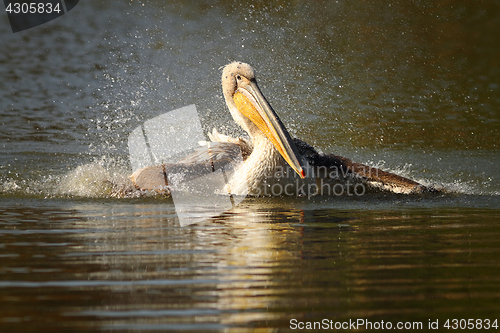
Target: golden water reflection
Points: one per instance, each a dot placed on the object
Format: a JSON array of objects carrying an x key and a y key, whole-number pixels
[{"x": 119, "y": 266}]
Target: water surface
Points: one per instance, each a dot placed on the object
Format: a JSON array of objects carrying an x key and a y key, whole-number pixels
[{"x": 410, "y": 87}]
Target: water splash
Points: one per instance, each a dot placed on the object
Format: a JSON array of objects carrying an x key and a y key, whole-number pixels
[
  {"x": 94, "y": 181},
  {"x": 471, "y": 183}
]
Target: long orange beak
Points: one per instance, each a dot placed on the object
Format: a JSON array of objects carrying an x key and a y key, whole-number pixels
[{"x": 252, "y": 104}]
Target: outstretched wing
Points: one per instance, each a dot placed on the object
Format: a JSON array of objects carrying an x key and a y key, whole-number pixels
[
  {"x": 211, "y": 156},
  {"x": 374, "y": 177}
]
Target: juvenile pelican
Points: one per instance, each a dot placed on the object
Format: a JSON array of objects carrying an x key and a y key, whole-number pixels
[
  {"x": 272, "y": 146},
  {"x": 271, "y": 155}
]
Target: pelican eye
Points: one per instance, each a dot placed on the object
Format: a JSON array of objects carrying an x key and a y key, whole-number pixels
[{"x": 238, "y": 77}]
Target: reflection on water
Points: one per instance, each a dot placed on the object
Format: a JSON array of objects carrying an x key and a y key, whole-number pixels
[{"x": 122, "y": 266}]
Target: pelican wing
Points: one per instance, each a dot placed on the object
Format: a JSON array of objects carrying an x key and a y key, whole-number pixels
[
  {"x": 210, "y": 157},
  {"x": 374, "y": 177}
]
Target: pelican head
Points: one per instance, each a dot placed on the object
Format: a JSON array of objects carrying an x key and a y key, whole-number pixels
[{"x": 253, "y": 113}]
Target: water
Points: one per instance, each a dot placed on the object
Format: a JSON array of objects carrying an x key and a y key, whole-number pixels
[{"x": 412, "y": 87}]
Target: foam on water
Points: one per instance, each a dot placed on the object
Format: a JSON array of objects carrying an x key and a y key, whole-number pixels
[
  {"x": 93, "y": 180},
  {"x": 473, "y": 184},
  {"x": 108, "y": 177}
]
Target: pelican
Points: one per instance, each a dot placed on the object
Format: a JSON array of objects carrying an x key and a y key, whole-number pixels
[{"x": 269, "y": 156}]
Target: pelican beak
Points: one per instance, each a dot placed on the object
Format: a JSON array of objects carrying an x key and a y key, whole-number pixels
[{"x": 253, "y": 105}]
